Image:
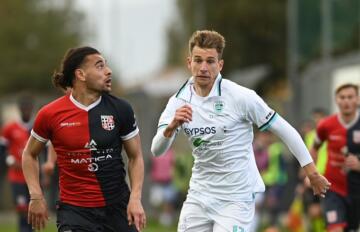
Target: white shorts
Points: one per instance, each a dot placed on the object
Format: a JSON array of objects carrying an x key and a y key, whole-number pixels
[{"x": 216, "y": 216}]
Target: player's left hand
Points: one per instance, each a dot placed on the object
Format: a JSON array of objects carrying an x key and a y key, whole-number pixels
[
  {"x": 352, "y": 163},
  {"x": 319, "y": 184},
  {"x": 136, "y": 214}
]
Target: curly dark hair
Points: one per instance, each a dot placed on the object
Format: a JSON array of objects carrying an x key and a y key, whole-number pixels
[{"x": 73, "y": 58}]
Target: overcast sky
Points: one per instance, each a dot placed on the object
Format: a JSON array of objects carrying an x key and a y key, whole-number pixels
[{"x": 130, "y": 33}]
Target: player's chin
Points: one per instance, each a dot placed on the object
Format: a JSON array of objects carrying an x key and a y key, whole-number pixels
[{"x": 107, "y": 89}]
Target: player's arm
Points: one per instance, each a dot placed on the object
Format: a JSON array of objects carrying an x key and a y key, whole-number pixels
[
  {"x": 166, "y": 134},
  {"x": 293, "y": 140},
  {"x": 49, "y": 166},
  {"x": 352, "y": 162},
  {"x": 135, "y": 211},
  {"x": 37, "y": 214}
]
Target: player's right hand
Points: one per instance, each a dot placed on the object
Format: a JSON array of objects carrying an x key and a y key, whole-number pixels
[
  {"x": 38, "y": 214},
  {"x": 319, "y": 184},
  {"x": 182, "y": 115}
]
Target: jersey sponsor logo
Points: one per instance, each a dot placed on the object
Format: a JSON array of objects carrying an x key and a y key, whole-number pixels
[
  {"x": 91, "y": 161},
  {"x": 198, "y": 142},
  {"x": 70, "y": 124},
  {"x": 91, "y": 145},
  {"x": 93, "y": 167},
  {"x": 219, "y": 106},
  {"x": 335, "y": 137},
  {"x": 107, "y": 122},
  {"x": 200, "y": 131},
  {"x": 356, "y": 136}
]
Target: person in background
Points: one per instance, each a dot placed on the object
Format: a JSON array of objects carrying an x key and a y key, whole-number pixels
[
  {"x": 339, "y": 131},
  {"x": 50, "y": 177},
  {"x": 261, "y": 145},
  {"x": 163, "y": 194},
  {"x": 14, "y": 136},
  {"x": 312, "y": 203}
]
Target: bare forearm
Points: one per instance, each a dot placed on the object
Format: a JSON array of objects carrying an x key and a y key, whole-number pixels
[
  {"x": 30, "y": 166},
  {"x": 136, "y": 175},
  {"x": 310, "y": 170}
]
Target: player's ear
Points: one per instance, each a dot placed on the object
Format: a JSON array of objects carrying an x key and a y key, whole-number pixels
[
  {"x": 221, "y": 64},
  {"x": 188, "y": 62},
  {"x": 80, "y": 74}
]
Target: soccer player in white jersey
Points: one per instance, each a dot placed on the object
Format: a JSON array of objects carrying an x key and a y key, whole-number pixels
[{"x": 217, "y": 116}]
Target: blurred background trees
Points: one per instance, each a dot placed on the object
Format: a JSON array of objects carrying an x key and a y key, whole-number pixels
[
  {"x": 33, "y": 38},
  {"x": 256, "y": 32}
]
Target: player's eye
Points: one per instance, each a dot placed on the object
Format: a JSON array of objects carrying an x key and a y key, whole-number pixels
[{"x": 100, "y": 66}]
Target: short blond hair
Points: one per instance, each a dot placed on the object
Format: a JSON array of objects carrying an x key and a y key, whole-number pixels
[
  {"x": 207, "y": 39},
  {"x": 347, "y": 85}
]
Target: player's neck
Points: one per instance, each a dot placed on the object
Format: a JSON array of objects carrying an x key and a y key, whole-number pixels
[
  {"x": 348, "y": 118},
  {"x": 202, "y": 90},
  {"x": 85, "y": 97}
]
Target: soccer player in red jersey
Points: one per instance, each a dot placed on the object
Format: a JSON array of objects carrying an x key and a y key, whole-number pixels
[
  {"x": 14, "y": 136},
  {"x": 88, "y": 128},
  {"x": 334, "y": 130}
]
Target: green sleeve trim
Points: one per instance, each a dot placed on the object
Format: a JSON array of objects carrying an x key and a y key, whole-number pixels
[{"x": 266, "y": 125}]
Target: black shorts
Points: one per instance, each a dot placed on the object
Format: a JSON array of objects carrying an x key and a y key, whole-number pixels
[
  {"x": 354, "y": 216},
  {"x": 335, "y": 209},
  {"x": 112, "y": 218}
]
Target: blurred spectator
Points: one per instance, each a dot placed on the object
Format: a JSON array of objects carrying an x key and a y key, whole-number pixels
[
  {"x": 275, "y": 178},
  {"x": 337, "y": 130},
  {"x": 309, "y": 137},
  {"x": 163, "y": 193},
  {"x": 3, "y": 167},
  {"x": 261, "y": 143},
  {"x": 14, "y": 136},
  {"x": 50, "y": 177},
  {"x": 311, "y": 202},
  {"x": 182, "y": 175}
]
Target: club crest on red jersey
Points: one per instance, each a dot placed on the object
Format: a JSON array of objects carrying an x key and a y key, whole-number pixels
[{"x": 107, "y": 122}]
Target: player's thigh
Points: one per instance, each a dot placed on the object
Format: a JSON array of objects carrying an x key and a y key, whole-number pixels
[
  {"x": 116, "y": 219},
  {"x": 354, "y": 214},
  {"x": 193, "y": 218},
  {"x": 234, "y": 217},
  {"x": 76, "y": 219}
]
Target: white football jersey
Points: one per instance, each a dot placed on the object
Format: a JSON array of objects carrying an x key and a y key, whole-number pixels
[{"x": 221, "y": 135}]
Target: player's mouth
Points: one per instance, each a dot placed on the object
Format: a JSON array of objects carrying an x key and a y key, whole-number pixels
[
  {"x": 203, "y": 76},
  {"x": 108, "y": 81}
]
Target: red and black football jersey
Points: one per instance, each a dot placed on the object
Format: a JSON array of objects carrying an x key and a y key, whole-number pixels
[
  {"x": 332, "y": 130},
  {"x": 88, "y": 143},
  {"x": 353, "y": 145}
]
